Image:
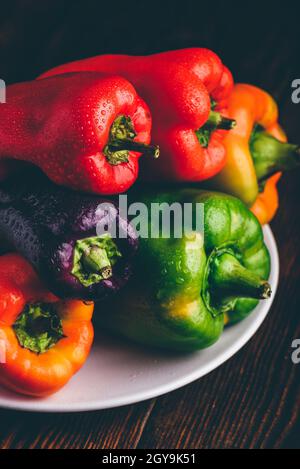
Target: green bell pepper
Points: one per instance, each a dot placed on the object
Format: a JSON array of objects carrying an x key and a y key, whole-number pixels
[{"x": 184, "y": 290}]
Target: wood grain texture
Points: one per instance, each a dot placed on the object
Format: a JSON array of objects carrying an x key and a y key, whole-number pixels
[
  {"x": 109, "y": 429},
  {"x": 253, "y": 401}
]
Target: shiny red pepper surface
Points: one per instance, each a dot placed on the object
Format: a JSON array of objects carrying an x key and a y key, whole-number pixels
[
  {"x": 181, "y": 88},
  {"x": 84, "y": 130}
]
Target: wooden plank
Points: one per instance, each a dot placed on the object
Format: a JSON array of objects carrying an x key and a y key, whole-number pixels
[{"x": 111, "y": 429}]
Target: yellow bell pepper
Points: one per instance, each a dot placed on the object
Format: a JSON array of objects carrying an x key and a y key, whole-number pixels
[{"x": 256, "y": 152}]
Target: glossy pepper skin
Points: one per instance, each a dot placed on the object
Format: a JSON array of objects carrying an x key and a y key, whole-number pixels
[
  {"x": 267, "y": 203},
  {"x": 180, "y": 87},
  {"x": 79, "y": 129},
  {"x": 65, "y": 236},
  {"x": 256, "y": 152},
  {"x": 184, "y": 290},
  {"x": 44, "y": 340}
]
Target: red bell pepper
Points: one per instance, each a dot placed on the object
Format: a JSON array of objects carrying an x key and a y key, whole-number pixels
[
  {"x": 84, "y": 130},
  {"x": 187, "y": 90}
]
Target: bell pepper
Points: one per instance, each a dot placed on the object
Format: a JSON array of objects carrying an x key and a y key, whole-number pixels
[
  {"x": 257, "y": 152},
  {"x": 85, "y": 131},
  {"x": 187, "y": 91},
  {"x": 44, "y": 341},
  {"x": 185, "y": 289},
  {"x": 80, "y": 245}
]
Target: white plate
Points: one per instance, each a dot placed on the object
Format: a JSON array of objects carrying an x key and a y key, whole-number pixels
[{"x": 117, "y": 373}]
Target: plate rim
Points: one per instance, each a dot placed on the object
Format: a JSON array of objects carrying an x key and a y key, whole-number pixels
[{"x": 39, "y": 406}]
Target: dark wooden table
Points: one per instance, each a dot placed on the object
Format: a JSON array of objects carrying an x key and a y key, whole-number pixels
[{"x": 253, "y": 401}]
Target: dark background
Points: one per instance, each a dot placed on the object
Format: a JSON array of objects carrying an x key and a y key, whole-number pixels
[{"x": 253, "y": 401}]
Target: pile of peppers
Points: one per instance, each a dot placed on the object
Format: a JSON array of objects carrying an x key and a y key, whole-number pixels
[{"x": 81, "y": 134}]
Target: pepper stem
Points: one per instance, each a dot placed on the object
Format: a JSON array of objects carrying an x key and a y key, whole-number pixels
[
  {"x": 38, "y": 328},
  {"x": 228, "y": 277},
  {"x": 96, "y": 261},
  {"x": 121, "y": 141},
  {"x": 132, "y": 145},
  {"x": 271, "y": 156},
  {"x": 217, "y": 121}
]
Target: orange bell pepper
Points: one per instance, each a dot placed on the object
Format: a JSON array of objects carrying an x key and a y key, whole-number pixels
[
  {"x": 257, "y": 152},
  {"x": 267, "y": 203},
  {"x": 43, "y": 340}
]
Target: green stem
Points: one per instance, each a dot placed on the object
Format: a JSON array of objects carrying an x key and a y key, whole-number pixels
[
  {"x": 271, "y": 156},
  {"x": 38, "y": 328},
  {"x": 121, "y": 141},
  {"x": 94, "y": 259},
  {"x": 217, "y": 121},
  {"x": 131, "y": 145},
  {"x": 228, "y": 278}
]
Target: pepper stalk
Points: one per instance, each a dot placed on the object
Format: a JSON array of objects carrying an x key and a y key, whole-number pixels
[
  {"x": 121, "y": 141},
  {"x": 215, "y": 122},
  {"x": 229, "y": 276},
  {"x": 38, "y": 328},
  {"x": 227, "y": 279},
  {"x": 270, "y": 156},
  {"x": 94, "y": 259}
]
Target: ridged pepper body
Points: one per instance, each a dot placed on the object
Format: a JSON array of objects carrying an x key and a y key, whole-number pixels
[
  {"x": 182, "y": 293},
  {"x": 257, "y": 152},
  {"x": 44, "y": 340},
  {"x": 179, "y": 87},
  {"x": 78, "y": 128},
  {"x": 59, "y": 232}
]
